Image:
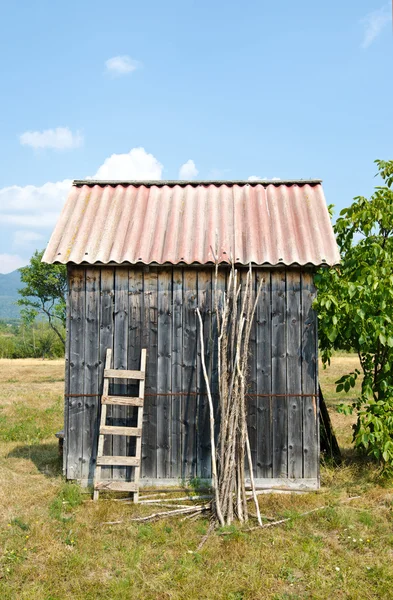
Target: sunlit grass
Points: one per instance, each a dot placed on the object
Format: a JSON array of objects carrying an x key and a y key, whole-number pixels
[{"x": 55, "y": 545}]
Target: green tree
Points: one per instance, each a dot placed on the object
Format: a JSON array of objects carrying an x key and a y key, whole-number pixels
[
  {"x": 44, "y": 293},
  {"x": 355, "y": 309}
]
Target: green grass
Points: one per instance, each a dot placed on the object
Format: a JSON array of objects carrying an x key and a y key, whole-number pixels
[{"x": 56, "y": 546}]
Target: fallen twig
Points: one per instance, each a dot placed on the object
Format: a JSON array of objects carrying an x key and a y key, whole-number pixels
[
  {"x": 167, "y": 513},
  {"x": 159, "y": 500},
  {"x": 205, "y": 537}
]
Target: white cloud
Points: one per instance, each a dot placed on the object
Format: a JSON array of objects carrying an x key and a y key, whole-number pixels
[
  {"x": 374, "y": 23},
  {"x": 33, "y": 209},
  {"x": 33, "y": 206},
  {"x": 122, "y": 65},
  {"x": 188, "y": 170},
  {"x": 23, "y": 238},
  {"x": 10, "y": 262},
  {"x": 256, "y": 178},
  {"x": 137, "y": 164},
  {"x": 61, "y": 138}
]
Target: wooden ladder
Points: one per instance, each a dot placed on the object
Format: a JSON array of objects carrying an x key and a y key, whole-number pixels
[{"x": 126, "y": 461}]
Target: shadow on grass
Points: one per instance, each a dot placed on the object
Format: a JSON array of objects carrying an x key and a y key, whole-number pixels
[{"x": 45, "y": 457}]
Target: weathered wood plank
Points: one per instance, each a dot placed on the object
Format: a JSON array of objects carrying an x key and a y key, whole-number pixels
[
  {"x": 67, "y": 375},
  {"x": 122, "y": 400},
  {"x": 135, "y": 298},
  {"x": 118, "y": 430},
  {"x": 123, "y": 373},
  {"x": 204, "y": 285},
  {"x": 218, "y": 291},
  {"x": 263, "y": 325},
  {"x": 252, "y": 402},
  {"x": 130, "y": 461},
  {"x": 76, "y": 405},
  {"x": 279, "y": 350},
  {"x": 294, "y": 375},
  {"x": 116, "y": 486},
  {"x": 164, "y": 343},
  {"x": 106, "y": 340},
  {"x": 310, "y": 380},
  {"x": 177, "y": 370},
  {"x": 189, "y": 373},
  {"x": 149, "y": 341},
  {"x": 91, "y": 406}
]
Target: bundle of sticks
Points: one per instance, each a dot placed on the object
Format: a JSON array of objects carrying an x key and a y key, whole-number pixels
[{"x": 234, "y": 310}]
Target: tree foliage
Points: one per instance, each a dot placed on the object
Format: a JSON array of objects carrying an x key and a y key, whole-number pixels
[
  {"x": 355, "y": 306},
  {"x": 44, "y": 293}
]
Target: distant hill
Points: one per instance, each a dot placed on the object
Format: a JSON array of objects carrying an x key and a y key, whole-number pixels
[{"x": 9, "y": 285}]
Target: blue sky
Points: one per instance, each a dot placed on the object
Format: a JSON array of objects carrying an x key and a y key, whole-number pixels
[{"x": 191, "y": 89}]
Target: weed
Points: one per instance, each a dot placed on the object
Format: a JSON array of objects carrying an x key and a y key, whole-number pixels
[{"x": 20, "y": 523}]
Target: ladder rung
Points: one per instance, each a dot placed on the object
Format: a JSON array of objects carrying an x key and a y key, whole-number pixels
[
  {"x": 130, "y": 431},
  {"x": 123, "y": 374},
  {"x": 117, "y": 486},
  {"x": 126, "y": 461},
  {"x": 122, "y": 400}
]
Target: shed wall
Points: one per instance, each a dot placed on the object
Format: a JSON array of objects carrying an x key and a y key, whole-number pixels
[{"x": 154, "y": 307}]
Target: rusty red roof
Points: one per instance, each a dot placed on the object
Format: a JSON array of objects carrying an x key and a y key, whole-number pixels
[{"x": 277, "y": 222}]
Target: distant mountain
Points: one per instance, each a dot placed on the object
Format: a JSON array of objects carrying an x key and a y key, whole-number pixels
[{"x": 9, "y": 285}]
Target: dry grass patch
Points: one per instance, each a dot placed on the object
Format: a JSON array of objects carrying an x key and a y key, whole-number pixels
[{"x": 55, "y": 546}]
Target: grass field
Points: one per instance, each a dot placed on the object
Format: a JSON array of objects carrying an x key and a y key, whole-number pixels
[{"x": 54, "y": 544}]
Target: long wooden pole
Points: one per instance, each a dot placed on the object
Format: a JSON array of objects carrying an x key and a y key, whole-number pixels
[{"x": 212, "y": 440}]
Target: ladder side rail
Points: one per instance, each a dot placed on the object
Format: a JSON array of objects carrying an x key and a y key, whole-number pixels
[
  {"x": 100, "y": 449},
  {"x": 138, "y": 450}
]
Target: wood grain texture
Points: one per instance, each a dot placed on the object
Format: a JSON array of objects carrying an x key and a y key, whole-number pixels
[
  {"x": 122, "y": 431},
  {"x": 189, "y": 373},
  {"x": 263, "y": 332},
  {"x": 122, "y": 400},
  {"x": 204, "y": 301},
  {"x": 106, "y": 340},
  {"x": 294, "y": 375},
  {"x": 309, "y": 377},
  {"x": 149, "y": 341},
  {"x": 76, "y": 381},
  {"x": 164, "y": 345},
  {"x": 91, "y": 406},
  {"x": 279, "y": 351},
  {"x": 177, "y": 373}
]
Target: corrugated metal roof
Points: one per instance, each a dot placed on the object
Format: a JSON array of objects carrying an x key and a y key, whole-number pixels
[{"x": 194, "y": 222}]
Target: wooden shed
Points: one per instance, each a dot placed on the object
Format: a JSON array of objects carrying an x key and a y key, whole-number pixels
[{"x": 141, "y": 257}]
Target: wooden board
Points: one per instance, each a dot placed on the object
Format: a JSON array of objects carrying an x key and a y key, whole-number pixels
[
  {"x": 116, "y": 486},
  {"x": 164, "y": 344},
  {"x": 251, "y": 402},
  {"x": 294, "y": 375},
  {"x": 91, "y": 406},
  {"x": 118, "y": 430},
  {"x": 130, "y": 461},
  {"x": 279, "y": 350},
  {"x": 202, "y": 407},
  {"x": 177, "y": 373},
  {"x": 189, "y": 373},
  {"x": 76, "y": 381},
  {"x": 135, "y": 299},
  {"x": 122, "y": 400},
  {"x": 149, "y": 341},
  {"x": 263, "y": 327},
  {"x": 106, "y": 340},
  {"x": 310, "y": 383},
  {"x": 123, "y": 374}
]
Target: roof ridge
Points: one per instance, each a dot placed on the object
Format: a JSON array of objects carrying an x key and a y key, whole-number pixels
[{"x": 194, "y": 183}]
